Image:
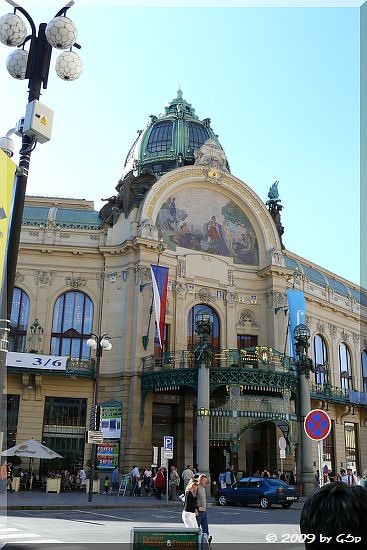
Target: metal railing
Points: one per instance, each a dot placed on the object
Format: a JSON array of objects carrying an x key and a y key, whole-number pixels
[
  {"x": 329, "y": 392},
  {"x": 259, "y": 357}
]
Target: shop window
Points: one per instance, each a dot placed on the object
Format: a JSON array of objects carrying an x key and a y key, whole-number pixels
[
  {"x": 72, "y": 325},
  {"x": 320, "y": 360},
  {"x": 19, "y": 318},
  {"x": 64, "y": 430},
  {"x": 351, "y": 446},
  {"x": 345, "y": 367}
]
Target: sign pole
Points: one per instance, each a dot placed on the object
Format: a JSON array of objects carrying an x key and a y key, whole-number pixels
[
  {"x": 319, "y": 452},
  {"x": 167, "y": 481},
  {"x": 168, "y": 455}
]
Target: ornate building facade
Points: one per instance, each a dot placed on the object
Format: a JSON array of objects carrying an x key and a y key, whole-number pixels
[{"x": 81, "y": 272}]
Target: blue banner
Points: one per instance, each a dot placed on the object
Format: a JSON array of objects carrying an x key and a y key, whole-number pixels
[{"x": 297, "y": 315}]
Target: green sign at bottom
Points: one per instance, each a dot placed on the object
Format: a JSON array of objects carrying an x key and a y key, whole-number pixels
[{"x": 175, "y": 538}]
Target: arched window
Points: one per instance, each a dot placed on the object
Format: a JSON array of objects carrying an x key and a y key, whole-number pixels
[
  {"x": 364, "y": 369},
  {"x": 320, "y": 360},
  {"x": 192, "y": 336},
  {"x": 72, "y": 325},
  {"x": 19, "y": 318},
  {"x": 345, "y": 367}
]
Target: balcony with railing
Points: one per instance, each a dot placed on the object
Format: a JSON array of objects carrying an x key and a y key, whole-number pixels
[
  {"x": 259, "y": 357},
  {"x": 335, "y": 394},
  {"x": 260, "y": 366}
]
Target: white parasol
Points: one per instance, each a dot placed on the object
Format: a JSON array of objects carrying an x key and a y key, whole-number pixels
[{"x": 31, "y": 449}]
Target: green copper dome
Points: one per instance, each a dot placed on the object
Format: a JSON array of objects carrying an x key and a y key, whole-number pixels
[{"x": 169, "y": 141}]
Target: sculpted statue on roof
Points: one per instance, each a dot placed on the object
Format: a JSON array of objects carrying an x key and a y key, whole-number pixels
[{"x": 131, "y": 191}]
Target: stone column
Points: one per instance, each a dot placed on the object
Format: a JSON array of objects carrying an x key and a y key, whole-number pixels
[
  {"x": 307, "y": 476},
  {"x": 304, "y": 366},
  {"x": 203, "y": 420}
]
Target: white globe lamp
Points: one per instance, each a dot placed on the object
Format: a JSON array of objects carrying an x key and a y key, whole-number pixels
[
  {"x": 13, "y": 30},
  {"x": 61, "y": 33},
  {"x": 16, "y": 64},
  {"x": 69, "y": 66}
]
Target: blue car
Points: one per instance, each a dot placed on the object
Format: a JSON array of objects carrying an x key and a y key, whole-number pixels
[{"x": 263, "y": 491}]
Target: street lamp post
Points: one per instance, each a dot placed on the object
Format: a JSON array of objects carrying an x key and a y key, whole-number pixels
[
  {"x": 33, "y": 65},
  {"x": 203, "y": 358},
  {"x": 97, "y": 343},
  {"x": 304, "y": 365}
]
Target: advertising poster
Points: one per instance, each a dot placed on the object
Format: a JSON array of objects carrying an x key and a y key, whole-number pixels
[
  {"x": 7, "y": 171},
  {"x": 111, "y": 421},
  {"x": 108, "y": 455}
]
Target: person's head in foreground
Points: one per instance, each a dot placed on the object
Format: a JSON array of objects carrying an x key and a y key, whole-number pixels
[{"x": 334, "y": 515}]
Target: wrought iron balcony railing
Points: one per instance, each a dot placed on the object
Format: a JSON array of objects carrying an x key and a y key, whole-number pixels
[
  {"x": 329, "y": 393},
  {"x": 259, "y": 357}
]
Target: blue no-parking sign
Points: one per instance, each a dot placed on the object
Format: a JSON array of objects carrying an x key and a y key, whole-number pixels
[{"x": 317, "y": 424}]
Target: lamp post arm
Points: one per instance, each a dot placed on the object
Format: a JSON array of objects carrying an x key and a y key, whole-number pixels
[
  {"x": 65, "y": 8},
  {"x": 26, "y": 15}
]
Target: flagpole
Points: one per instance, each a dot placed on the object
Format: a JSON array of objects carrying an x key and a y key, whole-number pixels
[{"x": 145, "y": 339}]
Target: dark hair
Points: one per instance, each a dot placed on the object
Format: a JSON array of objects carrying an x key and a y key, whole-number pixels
[{"x": 334, "y": 509}]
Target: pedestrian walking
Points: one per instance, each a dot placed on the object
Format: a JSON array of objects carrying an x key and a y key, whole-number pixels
[
  {"x": 134, "y": 480},
  {"x": 363, "y": 481},
  {"x": 3, "y": 476},
  {"x": 190, "y": 510},
  {"x": 174, "y": 482},
  {"x": 147, "y": 481},
  {"x": 202, "y": 517},
  {"x": 115, "y": 480},
  {"x": 83, "y": 478},
  {"x": 230, "y": 477},
  {"x": 160, "y": 483},
  {"x": 106, "y": 485},
  {"x": 187, "y": 475}
]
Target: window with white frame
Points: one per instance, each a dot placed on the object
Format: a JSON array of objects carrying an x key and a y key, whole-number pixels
[
  {"x": 364, "y": 369},
  {"x": 320, "y": 360},
  {"x": 345, "y": 367}
]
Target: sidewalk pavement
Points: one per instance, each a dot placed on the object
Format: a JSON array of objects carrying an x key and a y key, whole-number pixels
[{"x": 39, "y": 500}]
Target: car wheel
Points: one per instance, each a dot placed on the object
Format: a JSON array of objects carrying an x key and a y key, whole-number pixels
[
  {"x": 286, "y": 504},
  {"x": 222, "y": 500},
  {"x": 265, "y": 502}
]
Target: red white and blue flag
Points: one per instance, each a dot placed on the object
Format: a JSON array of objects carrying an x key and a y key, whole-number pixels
[{"x": 160, "y": 282}]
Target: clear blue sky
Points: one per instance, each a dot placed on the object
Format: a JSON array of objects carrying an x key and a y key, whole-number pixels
[{"x": 280, "y": 84}]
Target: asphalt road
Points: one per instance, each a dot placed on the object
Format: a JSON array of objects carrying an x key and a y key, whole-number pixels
[{"x": 40, "y": 529}]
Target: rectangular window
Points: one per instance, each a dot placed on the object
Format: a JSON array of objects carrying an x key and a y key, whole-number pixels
[
  {"x": 166, "y": 342},
  {"x": 351, "y": 446},
  {"x": 12, "y": 419},
  {"x": 329, "y": 450},
  {"x": 64, "y": 430},
  {"x": 246, "y": 341}
]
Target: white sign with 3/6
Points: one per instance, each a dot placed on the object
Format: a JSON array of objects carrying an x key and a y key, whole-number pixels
[{"x": 35, "y": 361}]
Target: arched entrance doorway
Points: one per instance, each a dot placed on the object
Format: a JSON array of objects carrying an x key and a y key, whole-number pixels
[{"x": 258, "y": 448}]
